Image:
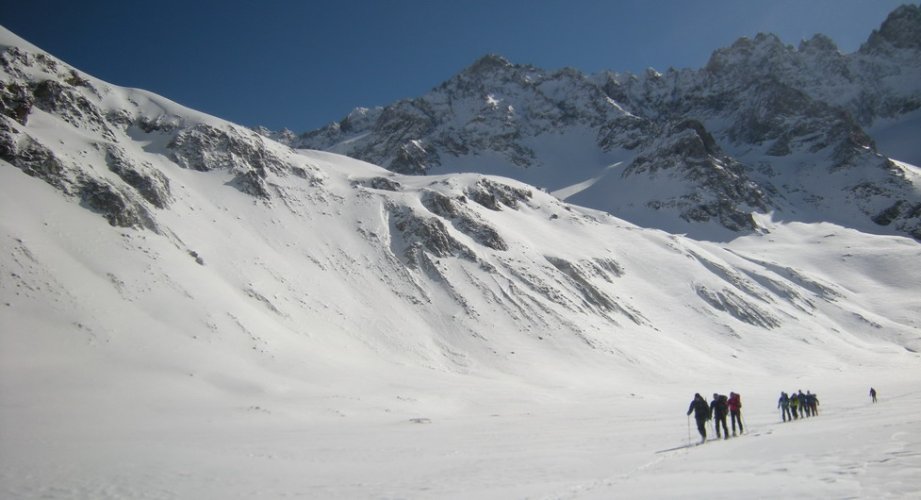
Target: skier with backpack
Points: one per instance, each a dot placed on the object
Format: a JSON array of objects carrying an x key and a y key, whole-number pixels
[
  {"x": 784, "y": 404},
  {"x": 804, "y": 409},
  {"x": 813, "y": 402},
  {"x": 719, "y": 407},
  {"x": 735, "y": 411},
  {"x": 701, "y": 415}
]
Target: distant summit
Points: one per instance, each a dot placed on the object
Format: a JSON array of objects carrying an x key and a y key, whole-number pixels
[
  {"x": 487, "y": 64},
  {"x": 802, "y": 130},
  {"x": 900, "y": 30}
]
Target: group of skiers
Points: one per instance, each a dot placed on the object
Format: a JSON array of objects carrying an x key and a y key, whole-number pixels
[
  {"x": 798, "y": 405},
  {"x": 792, "y": 407},
  {"x": 717, "y": 410}
]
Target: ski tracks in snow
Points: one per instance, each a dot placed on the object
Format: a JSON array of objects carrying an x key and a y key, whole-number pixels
[{"x": 861, "y": 451}]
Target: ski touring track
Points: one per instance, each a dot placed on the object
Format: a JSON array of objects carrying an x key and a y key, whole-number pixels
[{"x": 854, "y": 451}]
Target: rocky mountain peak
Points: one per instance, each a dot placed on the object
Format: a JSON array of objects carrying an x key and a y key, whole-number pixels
[
  {"x": 819, "y": 43},
  {"x": 762, "y": 51},
  {"x": 900, "y": 30},
  {"x": 490, "y": 72},
  {"x": 740, "y": 135},
  {"x": 489, "y": 63}
]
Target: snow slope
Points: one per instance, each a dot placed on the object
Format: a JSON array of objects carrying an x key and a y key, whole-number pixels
[{"x": 191, "y": 310}]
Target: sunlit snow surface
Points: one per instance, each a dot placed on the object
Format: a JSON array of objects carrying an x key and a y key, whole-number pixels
[
  {"x": 130, "y": 371},
  {"x": 288, "y": 347}
]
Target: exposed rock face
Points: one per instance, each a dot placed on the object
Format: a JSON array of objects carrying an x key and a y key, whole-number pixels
[
  {"x": 491, "y": 194},
  {"x": 116, "y": 176},
  {"x": 149, "y": 182},
  {"x": 464, "y": 220},
  {"x": 33, "y": 158},
  {"x": 750, "y": 132},
  {"x": 205, "y": 148},
  {"x": 426, "y": 237},
  {"x": 898, "y": 31},
  {"x": 16, "y": 101},
  {"x": 490, "y": 106},
  {"x": 117, "y": 207},
  {"x": 720, "y": 188}
]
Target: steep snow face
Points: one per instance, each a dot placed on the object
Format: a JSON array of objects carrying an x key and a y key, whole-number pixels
[
  {"x": 180, "y": 296},
  {"x": 783, "y": 116}
]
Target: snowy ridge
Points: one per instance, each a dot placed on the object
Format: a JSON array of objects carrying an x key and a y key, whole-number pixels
[
  {"x": 182, "y": 294},
  {"x": 783, "y": 116}
]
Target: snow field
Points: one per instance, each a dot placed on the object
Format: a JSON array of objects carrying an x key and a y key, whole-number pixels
[
  {"x": 287, "y": 346},
  {"x": 512, "y": 442}
]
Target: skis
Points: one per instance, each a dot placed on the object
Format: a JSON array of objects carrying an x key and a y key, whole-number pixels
[
  {"x": 692, "y": 445},
  {"x": 698, "y": 443},
  {"x": 684, "y": 446}
]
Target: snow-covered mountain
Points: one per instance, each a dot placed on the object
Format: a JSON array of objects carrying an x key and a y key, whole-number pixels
[
  {"x": 191, "y": 309},
  {"x": 805, "y": 133},
  {"x": 290, "y": 234}
]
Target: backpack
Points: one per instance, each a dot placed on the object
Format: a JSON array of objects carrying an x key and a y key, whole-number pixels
[{"x": 736, "y": 401}]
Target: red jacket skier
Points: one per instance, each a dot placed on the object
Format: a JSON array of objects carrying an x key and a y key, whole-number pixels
[{"x": 735, "y": 411}]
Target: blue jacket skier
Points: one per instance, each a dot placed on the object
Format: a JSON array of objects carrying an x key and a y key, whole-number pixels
[{"x": 784, "y": 404}]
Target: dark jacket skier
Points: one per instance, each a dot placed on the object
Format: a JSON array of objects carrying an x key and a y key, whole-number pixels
[
  {"x": 813, "y": 402},
  {"x": 873, "y": 394},
  {"x": 719, "y": 407},
  {"x": 701, "y": 415},
  {"x": 804, "y": 409}
]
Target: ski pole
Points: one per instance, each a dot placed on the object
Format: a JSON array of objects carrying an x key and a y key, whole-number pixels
[{"x": 689, "y": 430}]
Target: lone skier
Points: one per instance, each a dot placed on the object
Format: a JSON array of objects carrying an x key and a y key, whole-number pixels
[
  {"x": 873, "y": 394},
  {"x": 735, "y": 411},
  {"x": 701, "y": 415},
  {"x": 719, "y": 407}
]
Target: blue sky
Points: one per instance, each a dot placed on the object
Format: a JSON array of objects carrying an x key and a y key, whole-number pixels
[{"x": 303, "y": 64}]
